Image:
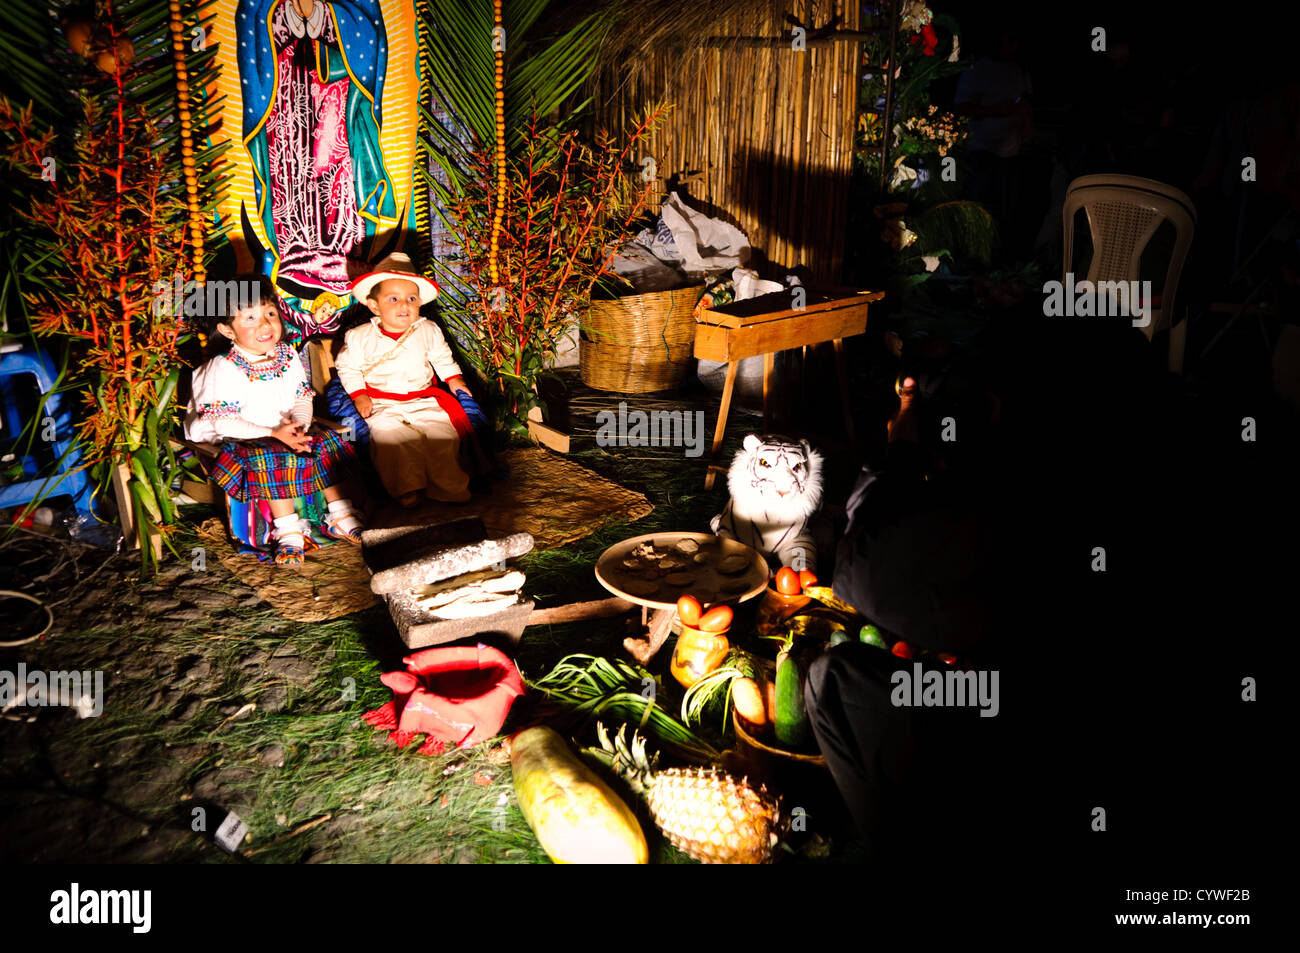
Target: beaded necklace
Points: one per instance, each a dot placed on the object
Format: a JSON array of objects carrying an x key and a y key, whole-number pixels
[{"x": 267, "y": 370}]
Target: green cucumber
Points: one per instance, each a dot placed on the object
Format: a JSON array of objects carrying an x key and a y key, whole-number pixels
[{"x": 791, "y": 720}]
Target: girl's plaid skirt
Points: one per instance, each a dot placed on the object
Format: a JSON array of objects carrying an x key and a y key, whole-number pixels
[{"x": 268, "y": 470}]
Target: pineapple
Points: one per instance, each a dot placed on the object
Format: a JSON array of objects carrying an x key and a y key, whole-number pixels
[{"x": 705, "y": 813}]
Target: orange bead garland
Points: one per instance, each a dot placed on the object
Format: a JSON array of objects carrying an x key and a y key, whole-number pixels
[
  {"x": 193, "y": 205},
  {"x": 499, "y": 83}
]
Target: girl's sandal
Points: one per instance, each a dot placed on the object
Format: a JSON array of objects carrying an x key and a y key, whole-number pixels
[
  {"x": 291, "y": 554},
  {"x": 288, "y": 555},
  {"x": 352, "y": 536}
]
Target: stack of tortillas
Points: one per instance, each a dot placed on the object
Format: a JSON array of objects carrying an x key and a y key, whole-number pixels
[{"x": 470, "y": 595}]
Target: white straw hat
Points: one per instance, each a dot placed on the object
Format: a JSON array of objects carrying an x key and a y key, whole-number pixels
[{"x": 396, "y": 265}]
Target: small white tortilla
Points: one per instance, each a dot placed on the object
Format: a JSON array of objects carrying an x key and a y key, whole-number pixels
[
  {"x": 484, "y": 603},
  {"x": 433, "y": 596}
]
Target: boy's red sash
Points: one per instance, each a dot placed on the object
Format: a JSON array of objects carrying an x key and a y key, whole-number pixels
[{"x": 445, "y": 398}]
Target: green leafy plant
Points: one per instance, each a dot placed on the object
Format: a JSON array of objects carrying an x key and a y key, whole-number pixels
[
  {"x": 926, "y": 49},
  {"x": 111, "y": 205},
  {"x": 567, "y": 205},
  {"x": 910, "y": 219},
  {"x": 98, "y": 295},
  {"x": 595, "y": 687},
  {"x": 545, "y": 57}
]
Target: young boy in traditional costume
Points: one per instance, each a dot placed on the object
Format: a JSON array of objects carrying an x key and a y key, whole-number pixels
[
  {"x": 254, "y": 401},
  {"x": 394, "y": 369}
]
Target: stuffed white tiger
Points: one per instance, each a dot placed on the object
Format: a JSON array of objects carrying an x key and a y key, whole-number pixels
[{"x": 776, "y": 487}]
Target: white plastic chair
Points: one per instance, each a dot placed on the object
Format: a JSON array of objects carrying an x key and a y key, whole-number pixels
[{"x": 1124, "y": 211}]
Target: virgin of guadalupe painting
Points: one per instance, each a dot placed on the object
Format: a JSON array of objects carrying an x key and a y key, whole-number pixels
[{"x": 311, "y": 77}]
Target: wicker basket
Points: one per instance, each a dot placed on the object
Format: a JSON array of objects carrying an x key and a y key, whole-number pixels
[{"x": 639, "y": 343}]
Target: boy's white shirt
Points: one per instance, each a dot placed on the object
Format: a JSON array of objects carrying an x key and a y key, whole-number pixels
[
  {"x": 398, "y": 366},
  {"x": 253, "y": 408}
]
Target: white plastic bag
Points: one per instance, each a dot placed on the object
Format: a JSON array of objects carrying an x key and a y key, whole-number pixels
[
  {"x": 705, "y": 244},
  {"x": 748, "y": 285}
]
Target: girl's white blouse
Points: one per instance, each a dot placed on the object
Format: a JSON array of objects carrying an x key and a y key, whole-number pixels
[{"x": 230, "y": 388}]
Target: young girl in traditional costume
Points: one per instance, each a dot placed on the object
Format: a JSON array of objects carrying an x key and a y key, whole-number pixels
[{"x": 254, "y": 401}]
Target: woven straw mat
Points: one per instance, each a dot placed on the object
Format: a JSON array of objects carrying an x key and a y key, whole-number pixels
[{"x": 554, "y": 499}]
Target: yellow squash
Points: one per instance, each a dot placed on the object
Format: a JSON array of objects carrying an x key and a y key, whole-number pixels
[{"x": 575, "y": 815}]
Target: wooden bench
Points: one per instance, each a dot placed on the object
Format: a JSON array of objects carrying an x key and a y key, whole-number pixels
[{"x": 770, "y": 323}]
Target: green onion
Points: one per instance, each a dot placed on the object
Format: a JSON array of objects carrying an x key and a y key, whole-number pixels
[
  {"x": 598, "y": 686},
  {"x": 717, "y": 684}
]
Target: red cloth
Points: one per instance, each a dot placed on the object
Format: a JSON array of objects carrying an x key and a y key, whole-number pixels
[{"x": 445, "y": 398}]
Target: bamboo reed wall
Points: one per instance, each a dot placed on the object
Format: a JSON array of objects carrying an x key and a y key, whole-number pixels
[{"x": 769, "y": 129}]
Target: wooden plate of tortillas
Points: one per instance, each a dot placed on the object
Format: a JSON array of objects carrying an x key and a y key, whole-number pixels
[{"x": 657, "y": 569}]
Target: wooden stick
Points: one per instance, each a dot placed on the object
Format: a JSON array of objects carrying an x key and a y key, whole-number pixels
[
  {"x": 288, "y": 834},
  {"x": 545, "y": 434},
  {"x": 643, "y": 649},
  {"x": 721, "y": 429},
  {"x": 577, "y": 611},
  {"x": 121, "y": 480},
  {"x": 769, "y": 363}
]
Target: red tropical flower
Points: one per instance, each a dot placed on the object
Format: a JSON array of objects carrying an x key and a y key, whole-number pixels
[{"x": 930, "y": 38}]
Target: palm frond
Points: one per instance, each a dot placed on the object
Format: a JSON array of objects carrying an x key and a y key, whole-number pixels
[
  {"x": 542, "y": 72},
  {"x": 29, "y": 70}
]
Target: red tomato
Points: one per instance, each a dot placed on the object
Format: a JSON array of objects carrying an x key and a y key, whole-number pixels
[
  {"x": 787, "y": 581},
  {"x": 717, "y": 619},
  {"x": 688, "y": 610},
  {"x": 807, "y": 578},
  {"x": 903, "y": 650},
  {"x": 947, "y": 658}
]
